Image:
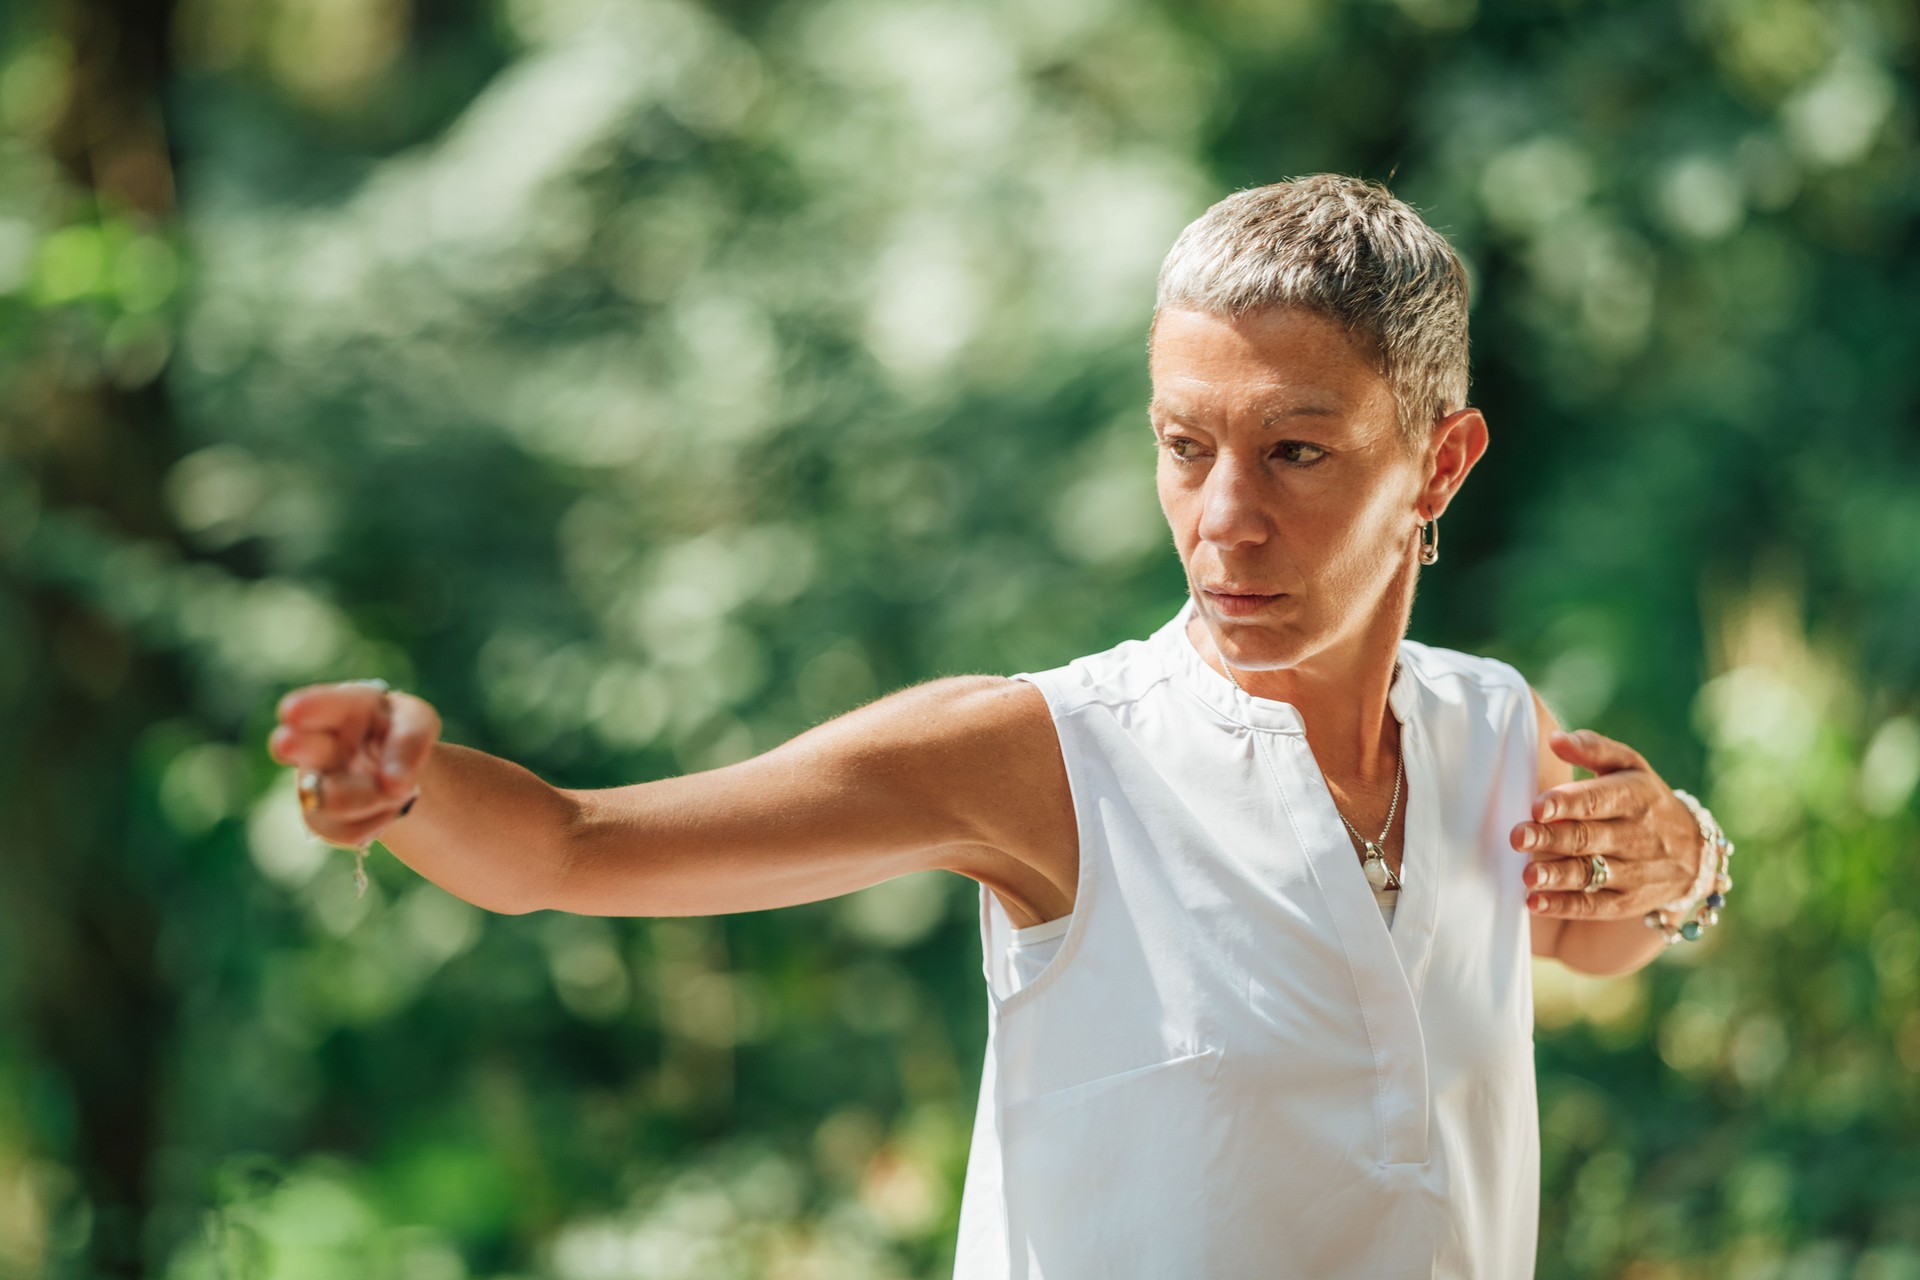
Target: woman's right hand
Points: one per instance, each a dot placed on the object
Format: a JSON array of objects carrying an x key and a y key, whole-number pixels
[{"x": 368, "y": 747}]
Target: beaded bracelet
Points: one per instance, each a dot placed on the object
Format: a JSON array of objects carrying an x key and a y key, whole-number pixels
[{"x": 1704, "y": 910}]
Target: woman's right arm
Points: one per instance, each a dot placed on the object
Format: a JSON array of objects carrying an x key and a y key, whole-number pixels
[{"x": 962, "y": 773}]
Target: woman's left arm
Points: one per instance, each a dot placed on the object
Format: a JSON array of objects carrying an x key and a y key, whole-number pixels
[{"x": 1626, "y": 813}]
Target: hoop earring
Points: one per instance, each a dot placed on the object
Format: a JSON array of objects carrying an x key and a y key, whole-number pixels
[{"x": 1429, "y": 541}]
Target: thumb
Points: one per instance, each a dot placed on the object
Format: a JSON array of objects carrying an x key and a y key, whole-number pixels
[
  {"x": 1593, "y": 751},
  {"x": 414, "y": 729}
]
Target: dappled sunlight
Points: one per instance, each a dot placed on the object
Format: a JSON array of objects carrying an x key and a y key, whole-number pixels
[{"x": 645, "y": 382}]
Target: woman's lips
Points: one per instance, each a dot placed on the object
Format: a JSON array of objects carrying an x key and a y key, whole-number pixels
[{"x": 1240, "y": 606}]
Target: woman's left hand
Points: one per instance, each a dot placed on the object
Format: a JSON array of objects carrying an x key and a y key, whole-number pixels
[{"x": 1627, "y": 815}]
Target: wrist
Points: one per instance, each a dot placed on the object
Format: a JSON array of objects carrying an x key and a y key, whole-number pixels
[
  {"x": 399, "y": 813},
  {"x": 1689, "y": 916},
  {"x": 1706, "y": 864}
]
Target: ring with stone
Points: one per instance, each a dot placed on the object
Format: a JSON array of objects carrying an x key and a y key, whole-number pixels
[
  {"x": 1596, "y": 874},
  {"x": 308, "y": 785}
]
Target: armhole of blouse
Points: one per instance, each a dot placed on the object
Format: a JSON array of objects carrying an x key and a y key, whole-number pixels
[
  {"x": 1031, "y": 953},
  {"x": 1042, "y": 932}
]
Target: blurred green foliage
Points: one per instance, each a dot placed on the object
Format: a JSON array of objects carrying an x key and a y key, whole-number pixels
[{"x": 644, "y": 382}]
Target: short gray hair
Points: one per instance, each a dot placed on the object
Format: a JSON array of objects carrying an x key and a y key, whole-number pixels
[{"x": 1347, "y": 249}]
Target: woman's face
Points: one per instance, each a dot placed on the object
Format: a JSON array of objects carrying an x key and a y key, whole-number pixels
[{"x": 1281, "y": 473}]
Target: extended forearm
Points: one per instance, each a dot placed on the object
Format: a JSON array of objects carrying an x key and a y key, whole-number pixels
[{"x": 484, "y": 829}]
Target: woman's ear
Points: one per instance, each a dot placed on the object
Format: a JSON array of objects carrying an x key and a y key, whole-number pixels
[{"x": 1458, "y": 441}]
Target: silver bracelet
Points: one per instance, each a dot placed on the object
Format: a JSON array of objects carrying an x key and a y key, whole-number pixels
[{"x": 1700, "y": 912}]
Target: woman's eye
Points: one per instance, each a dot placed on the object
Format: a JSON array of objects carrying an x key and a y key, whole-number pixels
[{"x": 1173, "y": 445}]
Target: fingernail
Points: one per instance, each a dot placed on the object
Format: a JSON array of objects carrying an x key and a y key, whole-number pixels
[
  {"x": 1535, "y": 902},
  {"x": 1549, "y": 811},
  {"x": 1533, "y": 876}
]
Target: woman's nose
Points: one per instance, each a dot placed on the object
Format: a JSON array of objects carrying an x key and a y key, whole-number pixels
[{"x": 1233, "y": 504}]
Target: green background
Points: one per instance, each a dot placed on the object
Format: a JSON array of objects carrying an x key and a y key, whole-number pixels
[{"x": 643, "y": 383}]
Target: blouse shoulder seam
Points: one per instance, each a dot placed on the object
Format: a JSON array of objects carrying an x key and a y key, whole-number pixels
[
  {"x": 1482, "y": 669},
  {"x": 1082, "y": 696}
]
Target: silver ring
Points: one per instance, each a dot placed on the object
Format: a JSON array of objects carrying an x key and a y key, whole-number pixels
[
  {"x": 373, "y": 681},
  {"x": 1597, "y": 873}
]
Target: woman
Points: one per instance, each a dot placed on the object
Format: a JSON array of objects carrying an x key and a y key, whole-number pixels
[{"x": 1255, "y": 890}]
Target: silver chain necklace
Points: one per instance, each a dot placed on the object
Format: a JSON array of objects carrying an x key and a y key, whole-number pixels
[{"x": 1373, "y": 857}]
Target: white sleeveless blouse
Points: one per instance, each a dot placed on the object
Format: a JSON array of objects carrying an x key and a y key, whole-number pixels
[{"x": 1234, "y": 1057}]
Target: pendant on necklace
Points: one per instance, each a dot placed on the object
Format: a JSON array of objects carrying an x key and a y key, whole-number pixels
[{"x": 1379, "y": 875}]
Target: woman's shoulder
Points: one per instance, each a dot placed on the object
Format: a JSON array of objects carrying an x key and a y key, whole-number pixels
[
  {"x": 1471, "y": 692},
  {"x": 1125, "y": 673},
  {"x": 1438, "y": 664}
]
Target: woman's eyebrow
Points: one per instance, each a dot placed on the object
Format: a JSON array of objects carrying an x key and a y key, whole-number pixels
[
  {"x": 1301, "y": 411},
  {"x": 1162, "y": 410}
]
